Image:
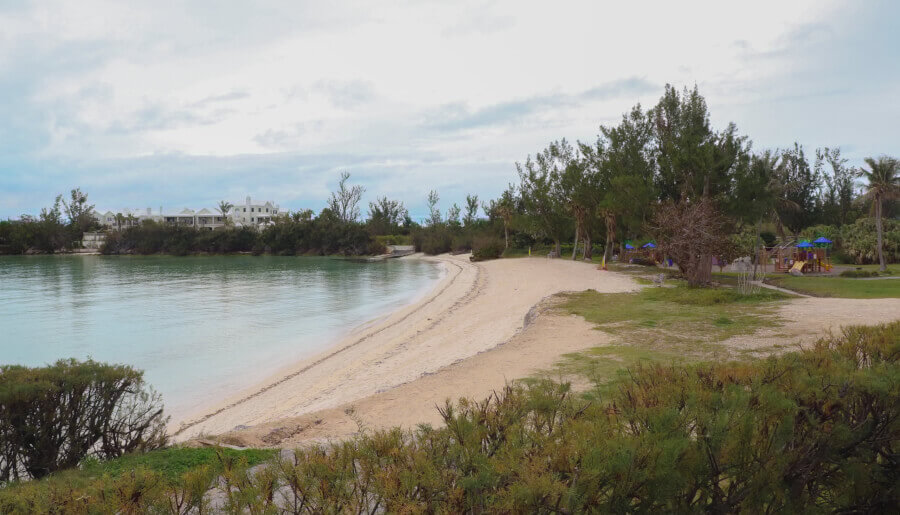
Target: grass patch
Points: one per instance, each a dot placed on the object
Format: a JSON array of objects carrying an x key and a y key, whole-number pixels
[
  {"x": 840, "y": 287},
  {"x": 171, "y": 463},
  {"x": 672, "y": 324}
]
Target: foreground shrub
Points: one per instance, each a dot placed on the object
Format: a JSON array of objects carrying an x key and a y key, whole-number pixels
[
  {"x": 52, "y": 418},
  {"x": 810, "y": 431}
]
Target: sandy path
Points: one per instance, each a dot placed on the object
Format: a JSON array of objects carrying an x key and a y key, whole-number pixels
[
  {"x": 473, "y": 309},
  {"x": 807, "y": 319}
]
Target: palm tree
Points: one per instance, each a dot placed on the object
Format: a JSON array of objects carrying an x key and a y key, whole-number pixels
[
  {"x": 224, "y": 207},
  {"x": 883, "y": 184}
]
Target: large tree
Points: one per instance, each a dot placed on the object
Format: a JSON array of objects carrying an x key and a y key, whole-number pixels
[
  {"x": 539, "y": 189},
  {"x": 695, "y": 163},
  {"x": 883, "y": 183},
  {"x": 224, "y": 207}
]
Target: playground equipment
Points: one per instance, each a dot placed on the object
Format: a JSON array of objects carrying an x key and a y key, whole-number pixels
[
  {"x": 804, "y": 258},
  {"x": 647, "y": 251}
]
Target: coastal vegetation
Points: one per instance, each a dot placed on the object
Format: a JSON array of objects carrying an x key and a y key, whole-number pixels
[
  {"x": 811, "y": 430},
  {"x": 662, "y": 175},
  {"x": 54, "y": 417}
]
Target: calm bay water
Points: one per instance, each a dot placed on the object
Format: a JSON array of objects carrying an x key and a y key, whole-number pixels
[{"x": 200, "y": 327}]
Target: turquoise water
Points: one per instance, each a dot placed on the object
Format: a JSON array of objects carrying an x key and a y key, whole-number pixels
[{"x": 200, "y": 327}]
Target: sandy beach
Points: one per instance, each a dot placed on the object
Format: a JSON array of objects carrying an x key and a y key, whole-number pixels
[
  {"x": 474, "y": 308},
  {"x": 483, "y": 325}
]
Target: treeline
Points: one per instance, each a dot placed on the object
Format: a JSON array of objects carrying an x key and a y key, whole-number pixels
[
  {"x": 804, "y": 432},
  {"x": 662, "y": 174},
  {"x": 51, "y": 231}
]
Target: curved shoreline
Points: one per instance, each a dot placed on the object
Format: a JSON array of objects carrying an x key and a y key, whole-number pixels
[
  {"x": 477, "y": 307},
  {"x": 356, "y": 336}
]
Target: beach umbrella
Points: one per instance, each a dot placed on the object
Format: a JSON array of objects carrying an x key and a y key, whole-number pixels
[
  {"x": 629, "y": 246},
  {"x": 649, "y": 246},
  {"x": 804, "y": 245}
]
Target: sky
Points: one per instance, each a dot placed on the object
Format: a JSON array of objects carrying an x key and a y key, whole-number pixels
[{"x": 178, "y": 104}]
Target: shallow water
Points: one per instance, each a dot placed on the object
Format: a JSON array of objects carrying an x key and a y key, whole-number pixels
[{"x": 200, "y": 327}]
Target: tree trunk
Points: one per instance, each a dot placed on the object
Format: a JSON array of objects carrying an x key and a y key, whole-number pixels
[
  {"x": 575, "y": 245},
  {"x": 506, "y": 234},
  {"x": 883, "y": 267},
  {"x": 558, "y": 249},
  {"x": 779, "y": 228},
  {"x": 588, "y": 253},
  {"x": 756, "y": 248}
]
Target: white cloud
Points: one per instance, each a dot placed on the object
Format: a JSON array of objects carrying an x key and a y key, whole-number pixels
[{"x": 463, "y": 84}]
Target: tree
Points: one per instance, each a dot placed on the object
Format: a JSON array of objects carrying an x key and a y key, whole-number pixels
[
  {"x": 52, "y": 417},
  {"x": 224, "y": 207},
  {"x": 344, "y": 202},
  {"x": 504, "y": 208},
  {"x": 385, "y": 215},
  {"x": 799, "y": 184},
  {"x": 838, "y": 197},
  {"x": 579, "y": 188},
  {"x": 883, "y": 178},
  {"x": 622, "y": 158},
  {"x": 79, "y": 212},
  {"x": 453, "y": 215},
  {"x": 695, "y": 163},
  {"x": 691, "y": 232},
  {"x": 539, "y": 190},
  {"x": 434, "y": 214},
  {"x": 471, "y": 214}
]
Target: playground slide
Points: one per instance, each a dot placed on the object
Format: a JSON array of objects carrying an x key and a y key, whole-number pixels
[{"x": 798, "y": 266}]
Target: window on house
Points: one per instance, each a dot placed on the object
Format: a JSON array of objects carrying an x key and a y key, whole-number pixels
[
  {"x": 245, "y": 209},
  {"x": 251, "y": 209},
  {"x": 267, "y": 210}
]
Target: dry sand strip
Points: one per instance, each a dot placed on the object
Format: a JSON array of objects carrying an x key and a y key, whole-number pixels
[
  {"x": 476, "y": 307},
  {"x": 535, "y": 349}
]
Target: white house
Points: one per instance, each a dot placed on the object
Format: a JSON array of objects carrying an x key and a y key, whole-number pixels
[
  {"x": 252, "y": 214},
  {"x": 247, "y": 214}
]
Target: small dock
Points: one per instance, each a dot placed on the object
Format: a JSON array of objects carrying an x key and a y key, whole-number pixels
[{"x": 394, "y": 251}]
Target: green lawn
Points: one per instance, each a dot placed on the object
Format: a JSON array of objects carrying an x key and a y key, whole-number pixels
[{"x": 839, "y": 286}]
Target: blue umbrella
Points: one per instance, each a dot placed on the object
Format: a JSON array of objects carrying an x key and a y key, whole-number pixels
[
  {"x": 628, "y": 246},
  {"x": 823, "y": 240},
  {"x": 649, "y": 246},
  {"x": 804, "y": 245}
]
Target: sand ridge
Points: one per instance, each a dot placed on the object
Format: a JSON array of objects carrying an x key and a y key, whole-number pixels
[{"x": 476, "y": 307}]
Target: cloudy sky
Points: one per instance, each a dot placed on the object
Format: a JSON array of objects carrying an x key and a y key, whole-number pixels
[{"x": 171, "y": 103}]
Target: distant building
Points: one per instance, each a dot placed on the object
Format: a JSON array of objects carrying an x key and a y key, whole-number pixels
[{"x": 247, "y": 214}]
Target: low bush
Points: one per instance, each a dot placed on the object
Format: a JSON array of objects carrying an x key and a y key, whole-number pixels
[
  {"x": 859, "y": 273},
  {"x": 810, "y": 431},
  {"x": 485, "y": 248},
  {"x": 52, "y": 418}
]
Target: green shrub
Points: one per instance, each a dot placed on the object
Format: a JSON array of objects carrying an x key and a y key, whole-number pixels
[
  {"x": 805, "y": 432},
  {"x": 859, "y": 273},
  {"x": 485, "y": 248},
  {"x": 859, "y": 241},
  {"x": 53, "y": 417}
]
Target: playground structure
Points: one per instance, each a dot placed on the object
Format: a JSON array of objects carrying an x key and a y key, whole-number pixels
[
  {"x": 647, "y": 251},
  {"x": 803, "y": 258}
]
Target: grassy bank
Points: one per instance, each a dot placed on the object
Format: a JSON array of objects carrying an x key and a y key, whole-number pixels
[{"x": 841, "y": 287}]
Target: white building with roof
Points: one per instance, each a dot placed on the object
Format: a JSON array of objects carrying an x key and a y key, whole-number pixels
[{"x": 247, "y": 214}]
